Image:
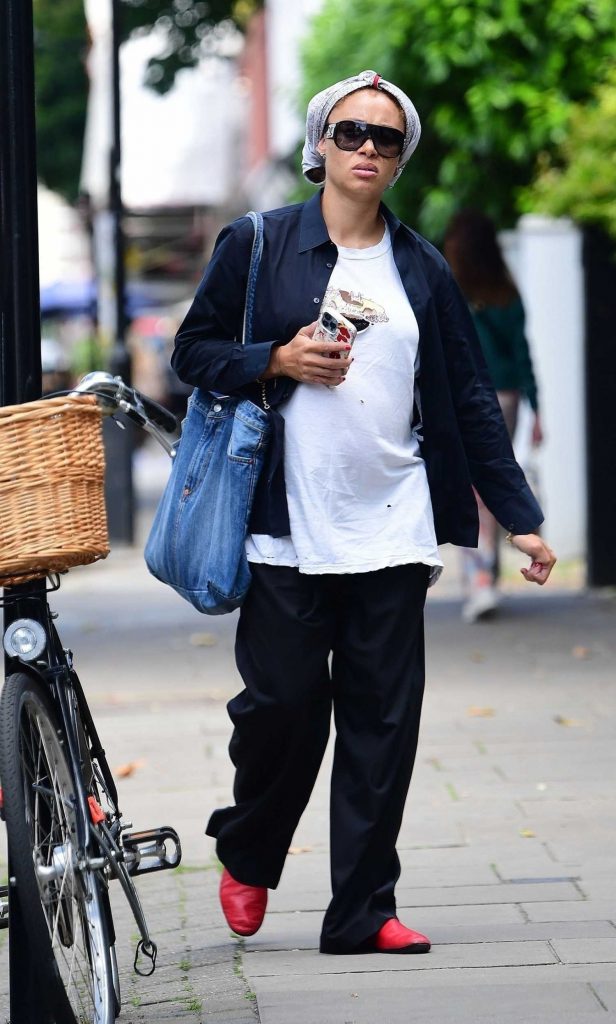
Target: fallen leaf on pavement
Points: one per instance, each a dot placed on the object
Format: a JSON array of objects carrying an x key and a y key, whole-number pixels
[
  {"x": 203, "y": 640},
  {"x": 527, "y": 833},
  {"x": 571, "y": 723},
  {"x": 123, "y": 771},
  {"x": 480, "y": 712},
  {"x": 300, "y": 849},
  {"x": 580, "y": 652}
]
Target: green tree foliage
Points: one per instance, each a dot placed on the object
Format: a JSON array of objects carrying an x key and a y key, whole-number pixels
[
  {"x": 188, "y": 26},
  {"x": 581, "y": 181},
  {"x": 60, "y": 46},
  {"x": 493, "y": 81}
]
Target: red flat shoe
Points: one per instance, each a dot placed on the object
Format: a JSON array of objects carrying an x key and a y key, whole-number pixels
[
  {"x": 243, "y": 905},
  {"x": 393, "y": 937}
]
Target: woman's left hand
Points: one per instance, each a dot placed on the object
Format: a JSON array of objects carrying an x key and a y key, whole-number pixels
[{"x": 542, "y": 558}]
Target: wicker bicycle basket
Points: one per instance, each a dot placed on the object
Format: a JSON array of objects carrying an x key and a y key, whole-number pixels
[{"x": 52, "y": 505}]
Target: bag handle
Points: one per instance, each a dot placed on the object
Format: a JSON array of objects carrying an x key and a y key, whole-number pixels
[{"x": 253, "y": 270}]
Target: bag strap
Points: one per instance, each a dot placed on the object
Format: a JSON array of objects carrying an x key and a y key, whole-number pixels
[
  {"x": 253, "y": 270},
  {"x": 251, "y": 286}
]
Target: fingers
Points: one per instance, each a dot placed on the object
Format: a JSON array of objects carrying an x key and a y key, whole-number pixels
[
  {"x": 323, "y": 362},
  {"x": 315, "y": 361},
  {"x": 329, "y": 382},
  {"x": 328, "y": 377},
  {"x": 330, "y": 349},
  {"x": 309, "y": 330},
  {"x": 540, "y": 568},
  {"x": 537, "y": 573},
  {"x": 542, "y": 557}
]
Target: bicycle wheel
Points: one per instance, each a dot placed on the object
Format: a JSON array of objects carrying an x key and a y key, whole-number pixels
[{"x": 59, "y": 894}]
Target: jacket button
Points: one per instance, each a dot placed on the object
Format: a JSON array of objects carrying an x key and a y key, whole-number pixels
[
  {"x": 217, "y": 408},
  {"x": 329, "y": 265},
  {"x": 316, "y": 299}
]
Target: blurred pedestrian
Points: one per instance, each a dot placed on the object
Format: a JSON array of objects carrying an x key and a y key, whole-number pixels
[
  {"x": 475, "y": 256},
  {"x": 373, "y": 468}
]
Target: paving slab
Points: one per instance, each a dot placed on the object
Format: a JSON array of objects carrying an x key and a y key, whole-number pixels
[
  {"x": 542, "y": 891},
  {"x": 606, "y": 992},
  {"x": 579, "y": 910},
  {"x": 508, "y": 829},
  {"x": 542, "y": 975},
  {"x": 599, "y": 888},
  {"x": 487, "y": 1005},
  {"x": 301, "y": 930},
  {"x": 480, "y": 954},
  {"x": 585, "y": 950},
  {"x": 497, "y": 995}
]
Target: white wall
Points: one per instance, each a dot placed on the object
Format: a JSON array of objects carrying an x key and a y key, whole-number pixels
[
  {"x": 545, "y": 258},
  {"x": 178, "y": 149},
  {"x": 287, "y": 23}
]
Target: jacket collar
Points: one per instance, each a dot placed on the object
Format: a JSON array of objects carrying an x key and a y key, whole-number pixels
[{"x": 313, "y": 229}]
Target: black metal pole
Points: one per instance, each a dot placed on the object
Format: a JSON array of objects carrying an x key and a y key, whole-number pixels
[
  {"x": 20, "y": 342},
  {"x": 118, "y": 444},
  {"x": 20, "y": 355},
  {"x": 120, "y": 356},
  {"x": 599, "y": 258}
]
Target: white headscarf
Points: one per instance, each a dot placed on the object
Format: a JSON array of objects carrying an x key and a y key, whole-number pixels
[{"x": 321, "y": 105}]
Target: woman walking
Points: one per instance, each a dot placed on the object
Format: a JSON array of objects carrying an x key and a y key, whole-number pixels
[
  {"x": 474, "y": 254},
  {"x": 371, "y": 465}
]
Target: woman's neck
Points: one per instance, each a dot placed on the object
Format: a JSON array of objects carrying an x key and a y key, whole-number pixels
[{"x": 352, "y": 224}]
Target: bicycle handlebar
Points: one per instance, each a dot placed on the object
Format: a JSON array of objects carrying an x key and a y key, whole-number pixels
[
  {"x": 159, "y": 415},
  {"x": 113, "y": 394}
]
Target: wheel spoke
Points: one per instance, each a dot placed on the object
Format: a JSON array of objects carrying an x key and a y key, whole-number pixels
[{"x": 67, "y": 890}]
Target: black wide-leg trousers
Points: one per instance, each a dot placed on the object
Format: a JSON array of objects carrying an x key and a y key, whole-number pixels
[{"x": 372, "y": 625}]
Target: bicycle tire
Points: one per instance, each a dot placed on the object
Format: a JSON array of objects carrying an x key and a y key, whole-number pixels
[
  {"x": 111, "y": 938},
  {"x": 59, "y": 895}
]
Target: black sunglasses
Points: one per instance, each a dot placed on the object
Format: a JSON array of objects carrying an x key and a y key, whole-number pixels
[{"x": 350, "y": 135}]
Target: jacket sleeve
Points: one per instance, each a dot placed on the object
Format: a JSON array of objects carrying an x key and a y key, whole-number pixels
[
  {"x": 523, "y": 361},
  {"x": 494, "y": 471},
  {"x": 208, "y": 351}
]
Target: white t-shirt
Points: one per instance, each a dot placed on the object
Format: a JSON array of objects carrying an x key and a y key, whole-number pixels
[{"x": 356, "y": 484}]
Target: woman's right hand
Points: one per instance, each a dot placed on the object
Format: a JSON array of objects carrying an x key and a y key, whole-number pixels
[
  {"x": 309, "y": 361},
  {"x": 537, "y": 432}
]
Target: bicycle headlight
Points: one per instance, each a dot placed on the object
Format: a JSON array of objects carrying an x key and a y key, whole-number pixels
[{"x": 25, "y": 639}]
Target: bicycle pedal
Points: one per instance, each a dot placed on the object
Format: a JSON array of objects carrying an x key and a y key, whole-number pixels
[{"x": 148, "y": 851}]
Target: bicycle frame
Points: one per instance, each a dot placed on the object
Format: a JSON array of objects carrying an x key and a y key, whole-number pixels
[
  {"x": 145, "y": 851},
  {"x": 55, "y": 672},
  {"x": 102, "y": 843}
]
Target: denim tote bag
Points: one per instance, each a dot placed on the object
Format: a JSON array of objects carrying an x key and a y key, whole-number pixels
[{"x": 197, "y": 541}]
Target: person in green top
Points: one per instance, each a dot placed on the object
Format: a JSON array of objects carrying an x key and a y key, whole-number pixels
[{"x": 472, "y": 249}]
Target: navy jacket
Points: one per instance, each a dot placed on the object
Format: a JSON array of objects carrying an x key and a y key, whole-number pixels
[{"x": 465, "y": 440}]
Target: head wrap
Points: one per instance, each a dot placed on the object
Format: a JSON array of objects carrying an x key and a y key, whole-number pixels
[{"x": 321, "y": 105}]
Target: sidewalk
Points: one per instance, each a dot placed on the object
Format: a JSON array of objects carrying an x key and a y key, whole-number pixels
[{"x": 506, "y": 846}]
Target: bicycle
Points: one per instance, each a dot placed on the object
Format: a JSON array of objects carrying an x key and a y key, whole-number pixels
[{"x": 67, "y": 837}]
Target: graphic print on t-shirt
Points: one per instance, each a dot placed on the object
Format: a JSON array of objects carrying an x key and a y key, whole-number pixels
[{"x": 355, "y": 307}]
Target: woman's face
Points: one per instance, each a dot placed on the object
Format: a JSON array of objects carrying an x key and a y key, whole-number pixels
[{"x": 361, "y": 172}]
